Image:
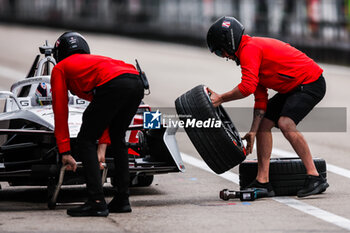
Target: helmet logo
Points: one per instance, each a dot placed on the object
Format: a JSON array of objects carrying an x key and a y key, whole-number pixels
[
  {"x": 226, "y": 24},
  {"x": 57, "y": 43},
  {"x": 72, "y": 40}
]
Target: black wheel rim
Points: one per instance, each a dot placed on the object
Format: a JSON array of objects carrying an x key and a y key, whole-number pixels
[{"x": 229, "y": 126}]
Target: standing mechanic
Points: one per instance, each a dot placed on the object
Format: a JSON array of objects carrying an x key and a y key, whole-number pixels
[
  {"x": 115, "y": 91},
  {"x": 270, "y": 63}
]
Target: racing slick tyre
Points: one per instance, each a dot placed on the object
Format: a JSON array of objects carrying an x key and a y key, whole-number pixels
[
  {"x": 287, "y": 175},
  {"x": 220, "y": 147}
]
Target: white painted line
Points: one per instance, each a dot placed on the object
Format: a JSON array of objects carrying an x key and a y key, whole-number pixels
[
  {"x": 291, "y": 202},
  {"x": 330, "y": 167},
  {"x": 11, "y": 73},
  {"x": 314, "y": 211},
  {"x": 338, "y": 170},
  {"x": 202, "y": 165}
]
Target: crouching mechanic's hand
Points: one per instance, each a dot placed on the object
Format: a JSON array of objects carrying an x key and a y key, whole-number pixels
[
  {"x": 70, "y": 162},
  {"x": 101, "y": 152},
  {"x": 216, "y": 99},
  {"x": 250, "y": 137}
]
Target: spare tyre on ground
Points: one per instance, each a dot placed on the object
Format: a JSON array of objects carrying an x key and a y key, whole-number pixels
[
  {"x": 287, "y": 175},
  {"x": 219, "y": 145}
]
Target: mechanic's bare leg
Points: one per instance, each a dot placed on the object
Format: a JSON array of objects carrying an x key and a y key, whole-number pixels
[
  {"x": 298, "y": 142},
  {"x": 264, "y": 148}
]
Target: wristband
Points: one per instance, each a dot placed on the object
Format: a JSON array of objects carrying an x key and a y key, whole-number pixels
[{"x": 66, "y": 153}]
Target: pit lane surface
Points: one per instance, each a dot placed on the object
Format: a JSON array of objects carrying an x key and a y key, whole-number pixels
[{"x": 186, "y": 202}]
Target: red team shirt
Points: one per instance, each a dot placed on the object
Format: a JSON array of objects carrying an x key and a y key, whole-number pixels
[
  {"x": 270, "y": 63},
  {"x": 80, "y": 73}
]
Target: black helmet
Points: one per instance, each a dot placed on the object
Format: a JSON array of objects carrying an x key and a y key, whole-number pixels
[
  {"x": 70, "y": 43},
  {"x": 225, "y": 35}
]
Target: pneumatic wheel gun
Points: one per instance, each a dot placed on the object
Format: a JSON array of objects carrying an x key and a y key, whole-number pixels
[{"x": 244, "y": 195}]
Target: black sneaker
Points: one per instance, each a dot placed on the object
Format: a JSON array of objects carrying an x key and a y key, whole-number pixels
[
  {"x": 257, "y": 185},
  {"x": 313, "y": 185},
  {"x": 90, "y": 208},
  {"x": 120, "y": 204}
]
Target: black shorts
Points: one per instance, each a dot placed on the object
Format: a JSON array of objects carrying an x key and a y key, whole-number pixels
[{"x": 297, "y": 103}]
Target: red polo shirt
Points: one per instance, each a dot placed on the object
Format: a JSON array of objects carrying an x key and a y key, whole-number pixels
[
  {"x": 80, "y": 73},
  {"x": 270, "y": 63}
]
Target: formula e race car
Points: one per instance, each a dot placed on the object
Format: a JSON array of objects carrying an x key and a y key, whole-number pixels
[{"x": 28, "y": 151}]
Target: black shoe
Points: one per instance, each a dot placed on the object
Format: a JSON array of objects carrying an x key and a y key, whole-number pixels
[
  {"x": 267, "y": 186},
  {"x": 313, "y": 185},
  {"x": 120, "y": 204},
  {"x": 90, "y": 208}
]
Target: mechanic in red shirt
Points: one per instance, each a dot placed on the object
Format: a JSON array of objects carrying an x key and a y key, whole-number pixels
[
  {"x": 115, "y": 90},
  {"x": 271, "y": 64}
]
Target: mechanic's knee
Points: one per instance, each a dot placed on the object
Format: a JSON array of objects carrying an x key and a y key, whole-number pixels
[
  {"x": 266, "y": 125},
  {"x": 286, "y": 124}
]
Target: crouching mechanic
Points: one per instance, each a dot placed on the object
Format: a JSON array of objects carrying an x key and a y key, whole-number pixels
[
  {"x": 269, "y": 63},
  {"x": 115, "y": 90}
]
